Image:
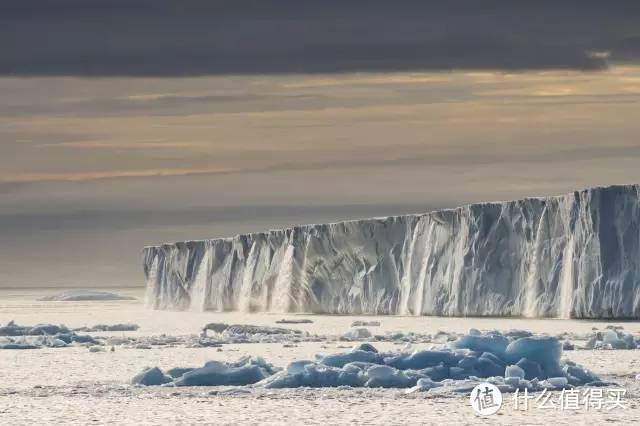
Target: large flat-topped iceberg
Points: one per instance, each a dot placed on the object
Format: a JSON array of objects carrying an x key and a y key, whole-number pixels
[{"x": 575, "y": 255}]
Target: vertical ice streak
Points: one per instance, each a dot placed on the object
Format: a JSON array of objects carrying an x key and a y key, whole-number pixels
[
  {"x": 406, "y": 282},
  {"x": 281, "y": 296},
  {"x": 566, "y": 283},
  {"x": 151, "y": 293},
  {"x": 200, "y": 290}
]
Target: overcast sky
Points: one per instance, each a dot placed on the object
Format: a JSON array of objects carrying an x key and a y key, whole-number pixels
[{"x": 129, "y": 123}]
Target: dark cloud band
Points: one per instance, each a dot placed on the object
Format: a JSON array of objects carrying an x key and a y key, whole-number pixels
[{"x": 164, "y": 38}]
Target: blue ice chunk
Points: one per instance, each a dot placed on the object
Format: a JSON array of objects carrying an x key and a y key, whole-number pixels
[
  {"x": 629, "y": 340},
  {"x": 544, "y": 350},
  {"x": 486, "y": 367},
  {"x": 355, "y": 333},
  {"x": 422, "y": 359},
  {"x": 518, "y": 333},
  {"x": 298, "y": 366},
  {"x": 214, "y": 373},
  {"x": 423, "y": 385},
  {"x": 457, "y": 373},
  {"x": 316, "y": 375},
  {"x": 367, "y": 347},
  {"x": 494, "y": 343},
  {"x": 514, "y": 371},
  {"x": 581, "y": 375},
  {"x": 493, "y": 358},
  {"x": 18, "y": 346},
  {"x": 387, "y": 377},
  {"x": 179, "y": 371},
  {"x": 531, "y": 369},
  {"x": 612, "y": 338},
  {"x": 468, "y": 362},
  {"x": 151, "y": 377},
  {"x": 437, "y": 373},
  {"x": 339, "y": 360},
  {"x": 513, "y": 381},
  {"x": 555, "y": 383}
]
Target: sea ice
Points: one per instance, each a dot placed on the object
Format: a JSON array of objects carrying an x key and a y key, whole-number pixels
[
  {"x": 612, "y": 339},
  {"x": 150, "y": 377},
  {"x": 107, "y": 327},
  {"x": 248, "y": 329},
  {"x": 514, "y": 371},
  {"x": 246, "y": 371},
  {"x": 294, "y": 321},
  {"x": 15, "y": 336},
  {"x": 494, "y": 342},
  {"x": 531, "y": 362},
  {"x": 13, "y": 329},
  {"x": 365, "y": 324},
  {"x": 356, "y": 333}
]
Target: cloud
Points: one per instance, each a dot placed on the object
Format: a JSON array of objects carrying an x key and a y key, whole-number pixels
[
  {"x": 21, "y": 178},
  {"x": 167, "y": 38},
  {"x": 132, "y": 145}
]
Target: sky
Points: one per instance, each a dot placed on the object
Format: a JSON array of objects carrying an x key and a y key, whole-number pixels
[{"x": 131, "y": 123}]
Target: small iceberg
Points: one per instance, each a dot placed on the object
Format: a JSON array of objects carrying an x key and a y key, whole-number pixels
[{"x": 84, "y": 295}]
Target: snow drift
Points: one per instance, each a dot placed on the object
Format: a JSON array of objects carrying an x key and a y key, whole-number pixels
[{"x": 575, "y": 255}]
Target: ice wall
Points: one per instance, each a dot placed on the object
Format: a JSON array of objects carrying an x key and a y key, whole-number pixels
[{"x": 575, "y": 255}]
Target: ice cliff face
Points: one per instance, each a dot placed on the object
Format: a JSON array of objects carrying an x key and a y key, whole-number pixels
[{"x": 575, "y": 255}]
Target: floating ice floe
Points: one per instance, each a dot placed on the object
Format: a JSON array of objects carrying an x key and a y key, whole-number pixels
[
  {"x": 365, "y": 324},
  {"x": 85, "y": 295},
  {"x": 107, "y": 327},
  {"x": 355, "y": 333},
  {"x": 294, "y": 321},
  {"x": 12, "y": 329},
  {"x": 247, "y": 329},
  {"x": 612, "y": 338},
  {"x": 508, "y": 361},
  {"x": 13, "y": 336}
]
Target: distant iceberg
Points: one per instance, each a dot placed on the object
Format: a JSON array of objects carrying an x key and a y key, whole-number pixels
[
  {"x": 575, "y": 255},
  {"x": 83, "y": 295}
]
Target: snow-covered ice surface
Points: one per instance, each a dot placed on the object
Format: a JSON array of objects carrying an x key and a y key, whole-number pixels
[
  {"x": 72, "y": 385},
  {"x": 574, "y": 255}
]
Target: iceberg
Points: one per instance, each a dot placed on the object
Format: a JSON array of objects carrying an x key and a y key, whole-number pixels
[
  {"x": 570, "y": 256},
  {"x": 84, "y": 295}
]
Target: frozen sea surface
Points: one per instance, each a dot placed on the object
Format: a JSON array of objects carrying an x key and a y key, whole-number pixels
[{"x": 75, "y": 386}]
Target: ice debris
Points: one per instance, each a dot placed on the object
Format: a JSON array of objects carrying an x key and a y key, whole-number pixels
[
  {"x": 150, "y": 377},
  {"x": 613, "y": 338},
  {"x": 246, "y": 371},
  {"x": 294, "y": 321},
  {"x": 13, "y": 336},
  {"x": 365, "y": 324},
  {"x": 510, "y": 362},
  {"x": 247, "y": 329},
  {"x": 356, "y": 333},
  {"x": 107, "y": 327}
]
